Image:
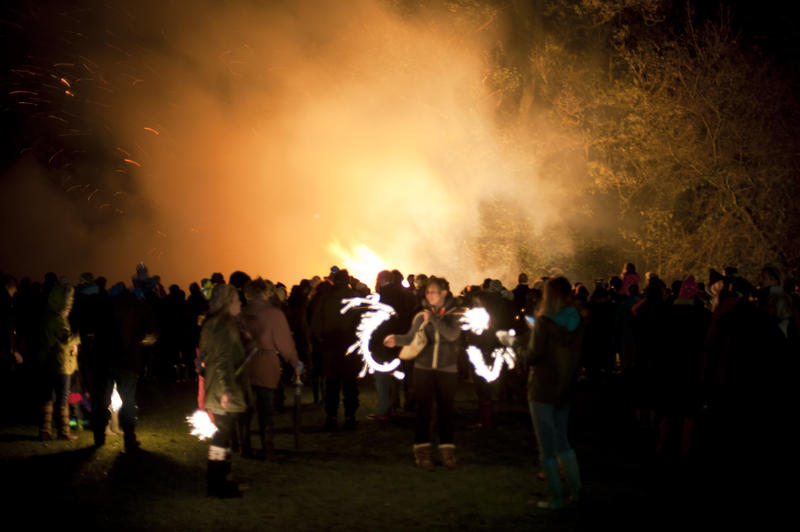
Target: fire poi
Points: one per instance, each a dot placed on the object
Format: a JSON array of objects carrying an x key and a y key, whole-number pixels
[
  {"x": 371, "y": 319},
  {"x": 474, "y": 319}
]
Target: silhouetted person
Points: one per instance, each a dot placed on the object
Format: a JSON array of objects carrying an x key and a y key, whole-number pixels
[{"x": 336, "y": 333}]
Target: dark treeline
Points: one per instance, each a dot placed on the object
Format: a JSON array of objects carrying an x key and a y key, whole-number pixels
[{"x": 672, "y": 125}]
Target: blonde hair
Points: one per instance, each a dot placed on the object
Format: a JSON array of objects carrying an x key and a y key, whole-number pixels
[
  {"x": 221, "y": 298},
  {"x": 256, "y": 289},
  {"x": 557, "y": 294}
]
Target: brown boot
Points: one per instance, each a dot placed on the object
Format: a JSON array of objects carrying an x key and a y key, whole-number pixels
[
  {"x": 63, "y": 424},
  {"x": 422, "y": 456},
  {"x": 448, "y": 454},
  {"x": 45, "y": 429}
]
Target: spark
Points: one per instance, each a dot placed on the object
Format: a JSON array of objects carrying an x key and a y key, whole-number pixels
[
  {"x": 134, "y": 79},
  {"x": 475, "y": 320},
  {"x": 116, "y": 400},
  {"x": 500, "y": 355},
  {"x": 150, "y": 129},
  {"x": 65, "y": 82},
  {"x": 33, "y": 93},
  {"x": 92, "y": 194},
  {"x": 375, "y": 314},
  {"x": 201, "y": 424},
  {"x": 131, "y": 161},
  {"x": 50, "y": 160},
  {"x": 69, "y": 93}
]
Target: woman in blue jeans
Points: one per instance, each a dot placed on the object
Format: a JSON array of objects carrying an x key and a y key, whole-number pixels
[{"x": 553, "y": 357}]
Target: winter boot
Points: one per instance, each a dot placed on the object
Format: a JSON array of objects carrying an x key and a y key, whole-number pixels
[
  {"x": 448, "y": 454},
  {"x": 45, "y": 429},
  {"x": 214, "y": 477},
  {"x": 219, "y": 468},
  {"x": 218, "y": 483},
  {"x": 554, "y": 490},
  {"x": 131, "y": 443},
  {"x": 570, "y": 465},
  {"x": 422, "y": 456},
  {"x": 63, "y": 424}
]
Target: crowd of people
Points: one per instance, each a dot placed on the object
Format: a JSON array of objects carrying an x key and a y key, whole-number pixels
[{"x": 682, "y": 352}]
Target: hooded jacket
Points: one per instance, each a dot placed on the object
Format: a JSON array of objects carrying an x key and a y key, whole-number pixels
[
  {"x": 223, "y": 355},
  {"x": 58, "y": 351},
  {"x": 554, "y": 352}
]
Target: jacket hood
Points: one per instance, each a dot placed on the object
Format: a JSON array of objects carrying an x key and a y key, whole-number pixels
[
  {"x": 568, "y": 318},
  {"x": 60, "y": 296}
]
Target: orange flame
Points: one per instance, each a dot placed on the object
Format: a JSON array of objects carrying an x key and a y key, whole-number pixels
[{"x": 360, "y": 261}]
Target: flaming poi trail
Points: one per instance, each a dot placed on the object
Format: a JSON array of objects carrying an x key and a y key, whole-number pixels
[{"x": 371, "y": 319}]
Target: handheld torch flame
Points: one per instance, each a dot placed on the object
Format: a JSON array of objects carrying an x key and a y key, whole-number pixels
[
  {"x": 201, "y": 424},
  {"x": 475, "y": 320},
  {"x": 500, "y": 355},
  {"x": 116, "y": 400}
]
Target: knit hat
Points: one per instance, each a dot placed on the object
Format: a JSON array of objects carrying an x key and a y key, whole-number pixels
[{"x": 688, "y": 288}]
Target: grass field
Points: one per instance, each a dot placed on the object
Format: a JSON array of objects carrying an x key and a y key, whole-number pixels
[{"x": 361, "y": 480}]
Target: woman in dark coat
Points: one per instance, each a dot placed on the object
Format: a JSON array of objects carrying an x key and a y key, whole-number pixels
[
  {"x": 225, "y": 383},
  {"x": 553, "y": 355}
]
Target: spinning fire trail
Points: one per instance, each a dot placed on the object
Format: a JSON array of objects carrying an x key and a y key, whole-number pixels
[{"x": 475, "y": 320}]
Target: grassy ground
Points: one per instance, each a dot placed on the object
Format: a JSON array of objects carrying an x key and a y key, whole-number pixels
[{"x": 362, "y": 480}]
